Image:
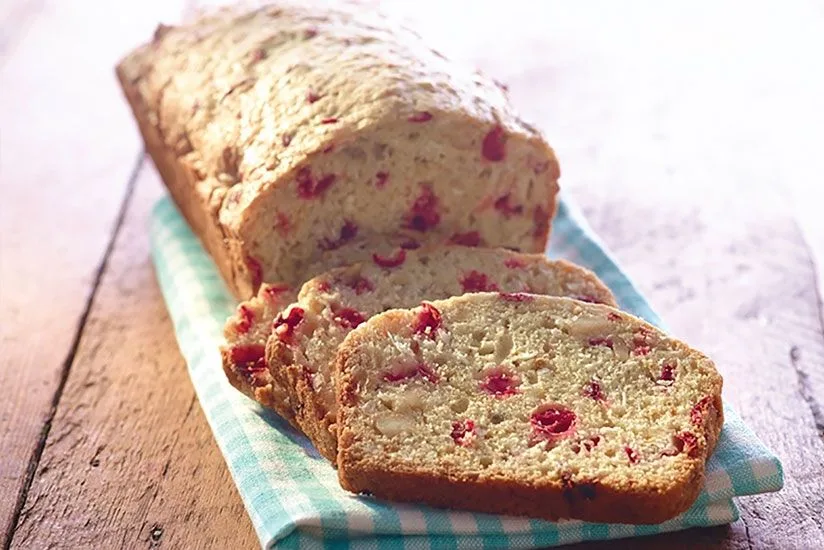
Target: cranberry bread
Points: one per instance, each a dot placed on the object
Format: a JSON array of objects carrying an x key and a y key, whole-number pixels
[
  {"x": 301, "y": 351},
  {"x": 285, "y": 131},
  {"x": 527, "y": 405},
  {"x": 248, "y": 329}
]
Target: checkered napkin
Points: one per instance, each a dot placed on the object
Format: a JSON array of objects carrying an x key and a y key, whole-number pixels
[{"x": 292, "y": 494}]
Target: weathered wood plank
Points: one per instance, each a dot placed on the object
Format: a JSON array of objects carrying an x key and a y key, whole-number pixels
[{"x": 130, "y": 461}]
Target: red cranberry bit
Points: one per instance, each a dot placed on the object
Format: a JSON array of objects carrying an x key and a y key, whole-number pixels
[
  {"x": 493, "y": 147},
  {"x": 361, "y": 285},
  {"x": 700, "y": 410},
  {"x": 380, "y": 179},
  {"x": 411, "y": 371},
  {"x": 286, "y": 323},
  {"x": 588, "y": 298},
  {"x": 540, "y": 167},
  {"x": 348, "y": 318},
  {"x": 593, "y": 390},
  {"x": 501, "y": 383},
  {"x": 323, "y": 286},
  {"x": 391, "y": 261},
  {"x": 642, "y": 341},
  {"x": 516, "y": 296},
  {"x": 428, "y": 320},
  {"x": 612, "y": 316},
  {"x": 502, "y": 205},
  {"x": 632, "y": 455},
  {"x": 258, "y": 54},
  {"x": 410, "y": 244},
  {"x": 606, "y": 342},
  {"x": 311, "y": 32},
  {"x": 424, "y": 212},
  {"x": 255, "y": 271},
  {"x": 552, "y": 422},
  {"x": 248, "y": 360},
  {"x": 420, "y": 116},
  {"x": 514, "y": 263},
  {"x": 540, "y": 219},
  {"x": 308, "y": 188},
  {"x": 286, "y": 139},
  {"x": 463, "y": 432},
  {"x": 477, "y": 282},
  {"x": 245, "y": 319},
  {"x": 471, "y": 238},
  {"x": 686, "y": 442},
  {"x": 282, "y": 224},
  {"x": 591, "y": 442},
  {"x": 348, "y": 231},
  {"x": 328, "y": 149},
  {"x": 328, "y": 120},
  {"x": 667, "y": 376},
  {"x": 312, "y": 96},
  {"x": 273, "y": 292}
]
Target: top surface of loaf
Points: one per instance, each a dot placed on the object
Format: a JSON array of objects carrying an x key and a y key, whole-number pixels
[{"x": 232, "y": 89}]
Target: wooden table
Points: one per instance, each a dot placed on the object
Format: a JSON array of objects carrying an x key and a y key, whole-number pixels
[{"x": 691, "y": 136}]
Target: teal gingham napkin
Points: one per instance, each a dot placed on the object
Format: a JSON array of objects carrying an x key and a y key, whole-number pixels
[{"x": 292, "y": 494}]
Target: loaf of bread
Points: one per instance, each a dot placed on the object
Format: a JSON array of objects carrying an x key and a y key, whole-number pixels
[
  {"x": 301, "y": 350},
  {"x": 527, "y": 405},
  {"x": 285, "y": 132}
]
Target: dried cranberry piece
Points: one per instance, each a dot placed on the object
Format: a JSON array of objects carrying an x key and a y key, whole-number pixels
[
  {"x": 380, "y": 179},
  {"x": 514, "y": 263},
  {"x": 463, "y": 432},
  {"x": 328, "y": 149},
  {"x": 612, "y": 316},
  {"x": 411, "y": 371},
  {"x": 348, "y": 318},
  {"x": 500, "y": 383},
  {"x": 552, "y": 422},
  {"x": 245, "y": 319},
  {"x": 470, "y": 238},
  {"x": 424, "y": 212},
  {"x": 272, "y": 292},
  {"x": 348, "y": 231},
  {"x": 686, "y": 442},
  {"x": 391, "y": 261},
  {"x": 428, "y": 320},
  {"x": 632, "y": 455},
  {"x": 410, "y": 244},
  {"x": 667, "y": 376},
  {"x": 287, "y": 322},
  {"x": 311, "y": 32},
  {"x": 588, "y": 298},
  {"x": 255, "y": 271},
  {"x": 493, "y": 147},
  {"x": 475, "y": 281},
  {"x": 606, "y": 342},
  {"x": 700, "y": 410},
  {"x": 540, "y": 219},
  {"x": 258, "y": 54},
  {"x": 323, "y": 286},
  {"x": 502, "y": 205},
  {"x": 420, "y": 116},
  {"x": 312, "y": 96},
  {"x": 286, "y": 139},
  {"x": 594, "y": 391},
  {"x": 516, "y": 296},
  {"x": 361, "y": 285},
  {"x": 308, "y": 187},
  {"x": 282, "y": 224},
  {"x": 642, "y": 341},
  {"x": 248, "y": 360}
]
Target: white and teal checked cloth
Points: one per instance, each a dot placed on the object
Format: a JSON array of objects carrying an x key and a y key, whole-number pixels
[{"x": 292, "y": 494}]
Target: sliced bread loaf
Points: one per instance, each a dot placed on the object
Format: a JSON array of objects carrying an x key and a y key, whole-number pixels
[
  {"x": 302, "y": 348},
  {"x": 527, "y": 405}
]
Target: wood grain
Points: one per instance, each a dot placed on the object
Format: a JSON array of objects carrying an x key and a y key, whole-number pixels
[
  {"x": 68, "y": 149},
  {"x": 130, "y": 461}
]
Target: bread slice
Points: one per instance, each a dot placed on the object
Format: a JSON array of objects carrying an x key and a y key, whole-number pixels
[
  {"x": 527, "y": 405},
  {"x": 301, "y": 351},
  {"x": 246, "y": 331},
  {"x": 284, "y": 131}
]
